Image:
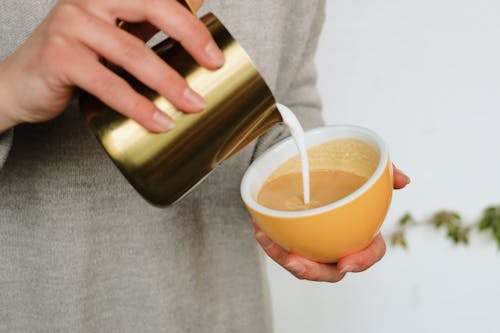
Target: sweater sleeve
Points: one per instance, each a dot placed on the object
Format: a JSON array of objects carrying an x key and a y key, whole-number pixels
[
  {"x": 302, "y": 96},
  {"x": 5, "y": 144}
]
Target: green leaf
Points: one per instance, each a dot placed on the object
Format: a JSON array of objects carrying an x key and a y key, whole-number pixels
[
  {"x": 453, "y": 232},
  {"x": 463, "y": 235},
  {"x": 496, "y": 234},
  {"x": 496, "y": 222},
  {"x": 490, "y": 210},
  {"x": 446, "y": 218},
  {"x": 398, "y": 239},
  {"x": 406, "y": 220},
  {"x": 453, "y": 224},
  {"x": 485, "y": 223}
]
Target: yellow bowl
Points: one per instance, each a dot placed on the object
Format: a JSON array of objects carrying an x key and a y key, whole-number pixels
[{"x": 327, "y": 233}]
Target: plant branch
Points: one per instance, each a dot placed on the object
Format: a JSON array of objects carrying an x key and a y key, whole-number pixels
[{"x": 456, "y": 230}]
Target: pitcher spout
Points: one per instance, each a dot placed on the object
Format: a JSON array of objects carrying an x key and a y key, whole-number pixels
[{"x": 248, "y": 131}]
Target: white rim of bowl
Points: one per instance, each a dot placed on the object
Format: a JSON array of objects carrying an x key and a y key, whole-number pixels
[{"x": 384, "y": 158}]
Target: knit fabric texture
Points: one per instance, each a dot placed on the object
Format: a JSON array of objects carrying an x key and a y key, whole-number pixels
[{"x": 81, "y": 251}]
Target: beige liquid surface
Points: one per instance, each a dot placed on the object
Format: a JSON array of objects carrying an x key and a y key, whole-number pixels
[{"x": 327, "y": 186}]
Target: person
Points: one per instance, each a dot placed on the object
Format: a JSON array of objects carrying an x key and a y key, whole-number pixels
[{"x": 80, "y": 251}]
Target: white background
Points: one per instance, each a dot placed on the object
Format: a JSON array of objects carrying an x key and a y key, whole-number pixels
[{"x": 425, "y": 74}]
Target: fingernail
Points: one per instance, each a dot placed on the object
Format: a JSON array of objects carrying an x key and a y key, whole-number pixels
[
  {"x": 349, "y": 269},
  {"x": 194, "y": 99},
  {"x": 215, "y": 54},
  {"x": 263, "y": 240},
  {"x": 163, "y": 121},
  {"x": 295, "y": 268}
]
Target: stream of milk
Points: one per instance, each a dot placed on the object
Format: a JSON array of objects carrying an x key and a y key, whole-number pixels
[{"x": 297, "y": 132}]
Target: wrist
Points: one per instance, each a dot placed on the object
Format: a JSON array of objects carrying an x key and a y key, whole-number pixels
[{"x": 6, "y": 119}]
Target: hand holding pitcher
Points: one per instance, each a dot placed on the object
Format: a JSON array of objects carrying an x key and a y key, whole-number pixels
[{"x": 65, "y": 51}]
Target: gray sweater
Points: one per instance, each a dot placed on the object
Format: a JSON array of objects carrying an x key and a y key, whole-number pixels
[{"x": 81, "y": 251}]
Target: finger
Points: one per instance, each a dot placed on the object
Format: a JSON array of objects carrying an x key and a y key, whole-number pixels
[
  {"x": 400, "y": 179},
  {"x": 173, "y": 19},
  {"x": 196, "y": 4},
  {"x": 364, "y": 259},
  {"x": 300, "y": 267},
  {"x": 90, "y": 75},
  {"x": 130, "y": 53},
  {"x": 312, "y": 271},
  {"x": 273, "y": 250}
]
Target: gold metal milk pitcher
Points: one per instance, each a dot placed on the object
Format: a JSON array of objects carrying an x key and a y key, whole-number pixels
[{"x": 164, "y": 167}]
